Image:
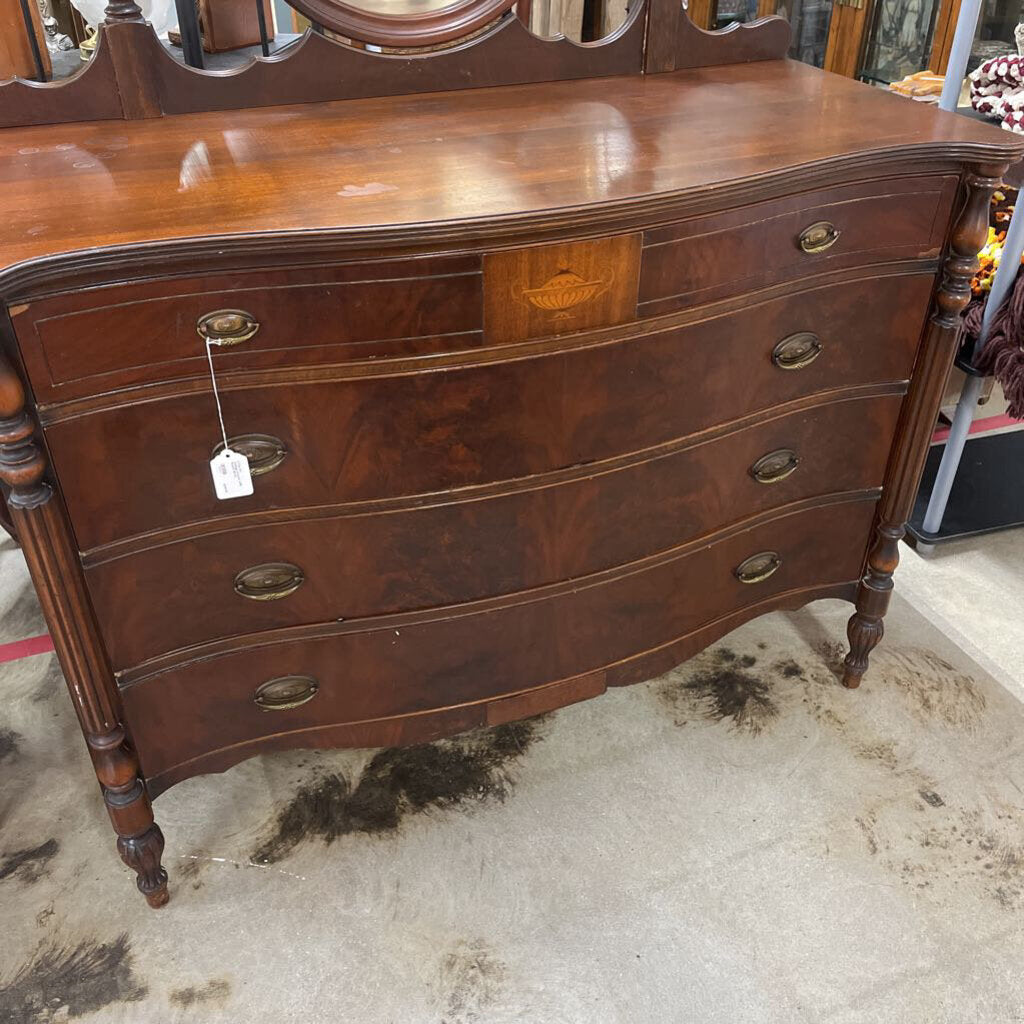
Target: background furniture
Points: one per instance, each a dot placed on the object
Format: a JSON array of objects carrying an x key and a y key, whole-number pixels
[
  {"x": 232, "y": 24},
  {"x": 23, "y": 52},
  {"x": 990, "y": 496},
  {"x": 543, "y": 387},
  {"x": 874, "y": 40}
]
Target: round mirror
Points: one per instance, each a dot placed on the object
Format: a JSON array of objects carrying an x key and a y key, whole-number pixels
[{"x": 403, "y": 23}]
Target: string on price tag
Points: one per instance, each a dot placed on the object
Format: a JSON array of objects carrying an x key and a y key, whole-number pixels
[{"x": 230, "y": 470}]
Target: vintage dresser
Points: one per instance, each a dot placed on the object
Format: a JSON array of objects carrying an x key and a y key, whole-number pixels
[{"x": 551, "y": 363}]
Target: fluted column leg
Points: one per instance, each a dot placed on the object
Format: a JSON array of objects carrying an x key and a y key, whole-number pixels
[
  {"x": 917, "y": 420},
  {"x": 45, "y": 534}
]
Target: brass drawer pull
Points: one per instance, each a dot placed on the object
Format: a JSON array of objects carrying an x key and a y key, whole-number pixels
[
  {"x": 775, "y": 466},
  {"x": 757, "y": 568},
  {"x": 818, "y": 237},
  {"x": 285, "y": 692},
  {"x": 263, "y": 451},
  {"x": 227, "y": 327},
  {"x": 269, "y": 582},
  {"x": 797, "y": 351}
]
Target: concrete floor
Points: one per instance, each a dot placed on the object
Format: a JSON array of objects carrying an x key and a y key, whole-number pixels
[
  {"x": 973, "y": 590},
  {"x": 738, "y": 841}
]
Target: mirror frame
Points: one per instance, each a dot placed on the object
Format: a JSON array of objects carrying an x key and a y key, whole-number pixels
[{"x": 426, "y": 28}]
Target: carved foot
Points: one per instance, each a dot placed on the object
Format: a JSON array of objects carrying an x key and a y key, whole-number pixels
[
  {"x": 865, "y": 628},
  {"x": 142, "y": 854},
  {"x": 139, "y": 839},
  {"x": 864, "y": 633}
]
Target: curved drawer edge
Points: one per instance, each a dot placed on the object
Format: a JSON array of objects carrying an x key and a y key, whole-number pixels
[
  {"x": 213, "y": 649},
  {"x": 438, "y": 723},
  {"x": 53, "y": 412},
  {"x": 48, "y": 272},
  {"x": 463, "y": 495}
]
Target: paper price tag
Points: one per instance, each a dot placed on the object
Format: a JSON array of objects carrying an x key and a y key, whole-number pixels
[{"x": 231, "y": 476}]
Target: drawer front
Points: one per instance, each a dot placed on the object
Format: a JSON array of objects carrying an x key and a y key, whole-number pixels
[
  {"x": 92, "y": 342},
  {"x": 344, "y": 567},
  {"x": 545, "y": 290},
  {"x": 144, "y": 467},
  {"x": 705, "y": 258},
  {"x": 421, "y": 665}
]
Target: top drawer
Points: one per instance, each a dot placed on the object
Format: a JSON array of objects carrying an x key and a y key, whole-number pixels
[
  {"x": 101, "y": 340},
  {"x": 706, "y": 258},
  {"x": 88, "y": 343}
]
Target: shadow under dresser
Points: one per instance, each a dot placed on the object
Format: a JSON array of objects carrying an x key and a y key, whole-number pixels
[{"x": 542, "y": 388}]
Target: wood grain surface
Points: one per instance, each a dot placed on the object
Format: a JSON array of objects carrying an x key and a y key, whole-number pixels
[
  {"x": 85, "y": 343},
  {"x": 361, "y": 565},
  {"x": 554, "y": 289},
  {"x": 437, "y": 661},
  {"x": 395, "y": 435},
  {"x": 556, "y": 154}
]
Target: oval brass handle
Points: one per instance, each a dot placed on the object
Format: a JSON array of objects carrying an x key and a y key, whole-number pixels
[
  {"x": 757, "y": 568},
  {"x": 269, "y": 582},
  {"x": 775, "y": 466},
  {"x": 263, "y": 451},
  {"x": 818, "y": 237},
  {"x": 797, "y": 351},
  {"x": 285, "y": 692},
  {"x": 227, "y": 327}
]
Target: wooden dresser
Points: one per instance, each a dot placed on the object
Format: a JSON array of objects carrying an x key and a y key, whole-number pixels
[{"x": 543, "y": 387}]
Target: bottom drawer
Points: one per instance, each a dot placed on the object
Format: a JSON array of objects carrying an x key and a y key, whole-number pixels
[{"x": 425, "y": 661}]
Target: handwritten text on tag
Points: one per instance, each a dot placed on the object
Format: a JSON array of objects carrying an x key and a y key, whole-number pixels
[{"x": 231, "y": 476}]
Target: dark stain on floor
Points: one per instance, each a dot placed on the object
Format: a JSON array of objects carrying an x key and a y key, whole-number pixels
[
  {"x": 190, "y": 871},
  {"x": 29, "y": 865},
  {"x": 867, "y": 825},
  {"x": 9, "y": 740},
  {"x": 724, "y": 690},
  {"x": 833, "y": 654},
  {"x": 976, "y": 849},
  {"x": 789, "y": 669},
  {"x": 399, "y": 782},
  {"x": 50, "y": 683},
  {"x": 936, "y": 690},
  {"x": 471, "y": 979},
  {"x": 214, "y": 991},
  {"x": 86, "y": 977}
]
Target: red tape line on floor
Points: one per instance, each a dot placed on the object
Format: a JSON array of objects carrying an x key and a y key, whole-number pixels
[
  {"x": 979, "y": 426},
  {"x": 26, "y": 648}
]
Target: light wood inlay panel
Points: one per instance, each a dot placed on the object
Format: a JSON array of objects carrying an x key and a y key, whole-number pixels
[{"x": 555, "y": 289}]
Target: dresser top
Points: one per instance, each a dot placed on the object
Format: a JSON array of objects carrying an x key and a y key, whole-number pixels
[{"x": 526, "y": 158}]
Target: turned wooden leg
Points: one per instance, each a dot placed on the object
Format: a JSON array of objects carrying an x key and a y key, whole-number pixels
[
  {"x": 865, "y": 628},
  {"x": 41, "y": 522},
  {"x": 139, "y": 839},
  {"x": 142, "y": 854},
  {"x": 917, "y": 420}
]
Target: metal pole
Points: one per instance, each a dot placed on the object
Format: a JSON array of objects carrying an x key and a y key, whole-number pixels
[
  {"x": 959, "y": 54},
  {"x": 1002, "y": 283},
  {"x": 261, "y": 17},
  {"x": 188, "y": 27},
  {"x": 30, "y": 28}
]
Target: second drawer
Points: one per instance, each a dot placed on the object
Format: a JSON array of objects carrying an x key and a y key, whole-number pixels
[
  {"x": 143, "y": 466},
  {"x": 321, "y": 569}
]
